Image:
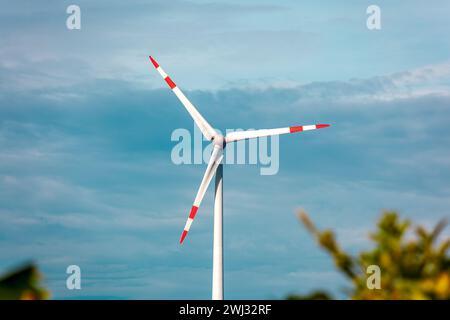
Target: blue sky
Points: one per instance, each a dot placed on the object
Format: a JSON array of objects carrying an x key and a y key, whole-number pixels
[{"x": 85, "y": 122}]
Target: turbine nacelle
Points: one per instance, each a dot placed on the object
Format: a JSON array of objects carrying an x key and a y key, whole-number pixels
[{"x": 219, "y": 140}]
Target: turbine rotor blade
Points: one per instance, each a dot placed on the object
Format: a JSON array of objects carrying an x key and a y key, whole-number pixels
[
  {"x": 214, "y": 161},
  {"x": 203, "y": 125},
  {"x": 241, "y": 135}
]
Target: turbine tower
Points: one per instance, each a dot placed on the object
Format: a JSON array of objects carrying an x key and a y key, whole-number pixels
[{"x": 215, "y": 167}]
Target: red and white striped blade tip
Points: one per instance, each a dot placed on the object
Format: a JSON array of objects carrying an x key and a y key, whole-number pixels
[
  {"x": 192, "y": 214},
  {"x": 311, "y": 127},
  {"x": 154, "y": 62},
  {"x": 183, "y": 235}
]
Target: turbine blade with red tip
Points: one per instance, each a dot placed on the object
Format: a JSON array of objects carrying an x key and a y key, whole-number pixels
[
  {"x": 250, "y": 134},
  {"x": 214, "y": 161},
  {"x": 203, "y": 125}
]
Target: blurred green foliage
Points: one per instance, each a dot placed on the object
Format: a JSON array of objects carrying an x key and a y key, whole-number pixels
[
  {"x": 413, "y": 265},
  {"x": 22, "y": 283}
]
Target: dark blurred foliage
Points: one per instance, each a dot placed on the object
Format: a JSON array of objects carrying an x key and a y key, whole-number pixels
[
  {"x": 22, "y": 283},
  {"x": 413, "y": 264}
]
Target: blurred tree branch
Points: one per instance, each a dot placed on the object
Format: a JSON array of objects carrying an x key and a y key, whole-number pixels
[
  {"x": 417, "y": 268},
  {"x": 23, "y": 283}
]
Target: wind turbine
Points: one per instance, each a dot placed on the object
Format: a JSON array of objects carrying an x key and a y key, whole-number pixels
[{"x": 215, "y": 167}]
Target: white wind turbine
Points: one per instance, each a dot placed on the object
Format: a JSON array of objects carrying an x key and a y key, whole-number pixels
[{"x": 215, "y": 167}]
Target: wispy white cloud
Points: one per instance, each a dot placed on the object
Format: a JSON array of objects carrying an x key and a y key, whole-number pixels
[{"x": 422, "y": 75}]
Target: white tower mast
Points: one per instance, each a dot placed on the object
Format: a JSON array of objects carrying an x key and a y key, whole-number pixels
[{"x": 217, "y": 278}]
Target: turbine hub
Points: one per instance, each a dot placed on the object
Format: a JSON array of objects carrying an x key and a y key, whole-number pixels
[{"x": 219, "y": 140}]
